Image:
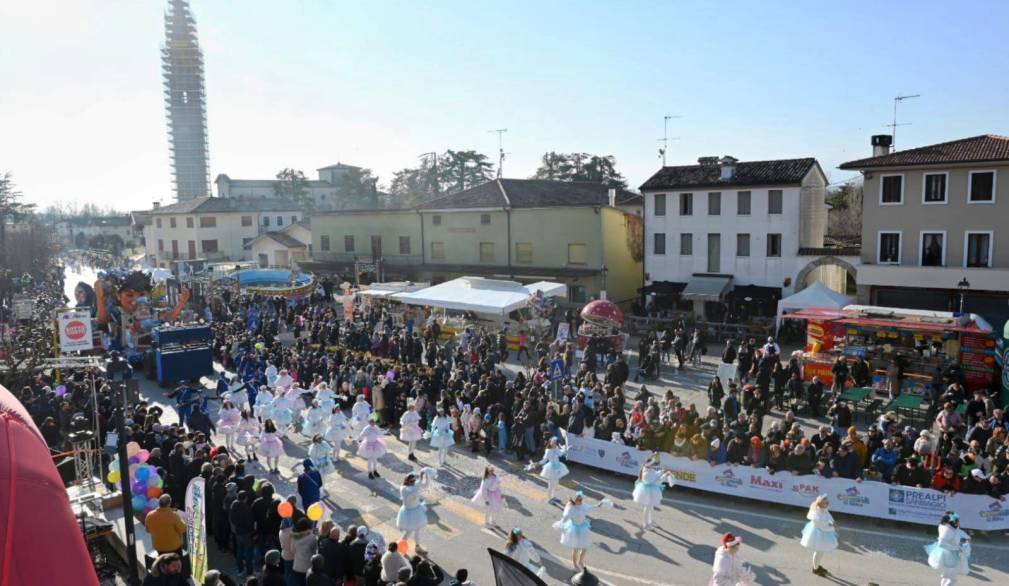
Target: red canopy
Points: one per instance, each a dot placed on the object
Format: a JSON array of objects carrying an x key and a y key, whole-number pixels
[{"x": 40, "y": 541}]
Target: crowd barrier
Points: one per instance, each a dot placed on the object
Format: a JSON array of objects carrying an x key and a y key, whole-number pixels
[{"x": 868, "y": 499}]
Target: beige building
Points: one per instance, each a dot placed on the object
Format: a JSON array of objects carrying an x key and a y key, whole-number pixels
[
  {"x": 213, "y": 228},
  {"x": 526, "y": 230},
  {"x": 285, "y": 248},
  {"x": 934, "y": 226},
  {"x": 322, "y": 190}
]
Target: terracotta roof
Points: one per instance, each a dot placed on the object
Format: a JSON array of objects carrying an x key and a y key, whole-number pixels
[
  {"x": 976, "y": 149},
  {"x": 531, "y": 193},
  {"x": 748, "y": 173}
]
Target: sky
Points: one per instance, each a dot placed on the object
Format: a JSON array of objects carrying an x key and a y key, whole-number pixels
[{"x": 308, "y": 83}]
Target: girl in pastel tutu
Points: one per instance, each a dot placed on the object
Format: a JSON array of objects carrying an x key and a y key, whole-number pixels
[
  {"x": 729, "y": 568},
  {"x": 520, "y": 549},
  {"x": 552, "y": 468},
  {"x": 337, "y": 431},
  {"x": 576, "y": 528},
  {"x": 441, "y": 434},
  {"x": 271, "y": 446},
  {"x": 819, "y": 534},
  {"x": 489, "y": 497},
  {"x": 412, "y": 516},
  {"x": 264, "y": 404},
  {"x": 371, "y": 447},
  {"x": 296, "y": 402},
  {"x": 284, "y": 380},
  {"x": 360, "y": 413},
  {"x": 648, "y": 488},
  {"x": 318, "y": 453},
  {"x": 315, "y": 420},
  {"x": 248, "y": 435},
  {"x": 227, "y": 423},
  {"x": 282, "y": 411},
  {"x": 409, "y": 428},
  {"x": 325, "y": 396},
  {"x": 950, "y": 554}
]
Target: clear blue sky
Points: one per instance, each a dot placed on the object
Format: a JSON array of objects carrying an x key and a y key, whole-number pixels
[{"x": 308, "y": 83}]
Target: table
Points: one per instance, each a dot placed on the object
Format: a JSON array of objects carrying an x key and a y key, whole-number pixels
[
  {"x": 909, "y": 403},
  {"x": 856, "y": 394}
]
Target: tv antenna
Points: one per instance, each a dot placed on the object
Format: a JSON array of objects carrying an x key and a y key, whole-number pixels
[
  {"x": 665, "y": 136},
  {"x": 893, "y": 126},
  {"x": 500, "y": 149}
]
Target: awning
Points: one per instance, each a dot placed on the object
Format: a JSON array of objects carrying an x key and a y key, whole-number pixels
[
  {"x": 706, "y": 288},
  {"x": 663, "y": 288},
  {"x": 755, "y": 293}
]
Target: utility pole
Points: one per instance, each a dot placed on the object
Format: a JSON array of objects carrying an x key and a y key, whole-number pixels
[
  {"x": 665, "y": 136},
  {"x": 500, "y": 149},
  {"x": 893, "y": 126}
]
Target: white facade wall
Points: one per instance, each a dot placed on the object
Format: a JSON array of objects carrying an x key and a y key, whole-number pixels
[{"x": 230, "y": 234}]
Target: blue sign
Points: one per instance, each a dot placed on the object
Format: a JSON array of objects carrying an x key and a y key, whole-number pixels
[{"x": 556, "y": 369}]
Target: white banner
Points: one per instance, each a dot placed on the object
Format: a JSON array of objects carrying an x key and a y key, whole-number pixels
[
  {"x": 869, "y": 499},
  {"x": 196, "y": 532},
  {"x": 75, "y": 330}
]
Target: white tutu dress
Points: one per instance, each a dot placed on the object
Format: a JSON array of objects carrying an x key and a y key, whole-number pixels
[
  {"x": 648, "y": 490},
  {"x": 575, "y": 527},
  {"x": 525, "y": 554},
  {"x": 281, "y": 411},
  {"x": 228, "y": 420},
  {"x": 248, "y": 432},
  {"x": 370, "y": 444},
  {"x": 441, "y": 432},
  {"x": 270, "y": 445},
  {"x": 314, "y": 421},
  {"x": 819, "y": 534},
  {"x": 360, "y": 413},
  {"x": 409, "y": 427},
  {"x": 412, "y": 515},
  {"x": 326, "y": 398},
  {"x": 489, "y": 496},
  {"x": 338, "y": 428},
  {"x": 319, "y": 454},
  {"x": 264, "y": 405},
  {"x": 730, "y": 570},
  {"x": 553, "y": 468},
  {"x": 950, "y": 554},
  {"x": 295, "y": 398}
]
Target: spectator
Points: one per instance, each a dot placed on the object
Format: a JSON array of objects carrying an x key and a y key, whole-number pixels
[
  {"x": 885, "y": 459},
  {"x": 392, "y": 563},
  {"x": 948, "y": 419},
  {"x": 317, "y": 575},
  {"x": 273, "y": 569},
  {"x": 166, "y": 527},
  {"x": 309, "y": 484},
  {"x": 947, "y": 481},
  {"x": 166, "y": 571},
  {"x": 243, "y": 527},
  {"x": 336, "y": 555},
  {"x": 800, "y": 461},
  {"x": 909, "y": 473},
  {"x": 461, "y": 578},
  {"x": 846, "y": 462}
]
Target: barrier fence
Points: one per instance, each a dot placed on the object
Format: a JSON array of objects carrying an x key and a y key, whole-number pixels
[{"x": 868, "y": 498}]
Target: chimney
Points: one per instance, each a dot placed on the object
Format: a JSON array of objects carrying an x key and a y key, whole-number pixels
[
  {"x": 707, "y": 161},
  {"x": 881, "y": 144},
  {"x": 155, "y": 205},
  {"x": 728, "y": 167},
  {"x": 612, "y": 193}
]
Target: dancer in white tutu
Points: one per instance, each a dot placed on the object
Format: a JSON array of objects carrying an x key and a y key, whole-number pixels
[
  {"x": 282, "y": 410},
  {"x": 360, "y": 413},
  {"x": 271, "y": 446},
  {"x": 325, "y": 396},
  {"x": 248, "y": 435},
  {"x": 489, "y": 497},
  {"x": 729, "y": 568},
  {"x": 337, "y": 431},
  {"x": 318, "y": 453},
  {"x": 552, "y": 468},
  {"x": 296, "y": 402},
  {"x": 315, "y": 420},
  {"x": 284, "y": 380},
  {"x": 648, "y": 488},
  {"x": 520, "y": 549},
  {"x": 409, "y": 428},
  {"x": 950, "y": 554},
  {"x": 227, "y": 423},
  {"x": 412, "y": 516},
  {"x": 576, "y": 529},
  {"x": 819, "y": 534},
  {"x": 441, "y": 434},
  {"x": 371, "y": 447},
  {"x": 264, "y": 404}
]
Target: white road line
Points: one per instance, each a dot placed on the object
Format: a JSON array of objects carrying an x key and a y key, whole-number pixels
[{"x": 601, "y": 572}]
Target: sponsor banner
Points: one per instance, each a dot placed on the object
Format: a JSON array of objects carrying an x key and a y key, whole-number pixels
[
  {"x": 869, "y": 499},
  {"x": 75, "y": 330},
  {"x": 196, "y": 531}
]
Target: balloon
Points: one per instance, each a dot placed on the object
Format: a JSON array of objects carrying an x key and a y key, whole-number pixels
[
  {"x": 153, "y": 492},
  {"x": 143, "y": 473},
  {"x": 113, "y": 466},
  {"x": 285, "y": 510},
  {"x": 143, "y": 456},
  {"x": 138, "y": 487},
  {"x": 152, "y": 503},
  {"x": 316, "y": 511},
  {"x": 403, "y": 546},
  {"x": 114, "y": 477},
  {"x": 155, "y": 480},
  {"x": 260, "y": 345},
  {"x": 61, "y": 390},
  {"x": 134, "y": 460},
  {"x": 139, "y": 502},
  {"x": 132, "y": 448}
]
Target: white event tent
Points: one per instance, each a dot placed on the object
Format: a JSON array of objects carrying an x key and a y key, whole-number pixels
[
  {"x": 480, "y": 295},
  {"x": 816, "y": 295}
]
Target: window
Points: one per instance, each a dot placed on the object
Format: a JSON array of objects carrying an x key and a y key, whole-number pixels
[
  {"x": 577, "y": 254},
  {"x": 686, "y": 204},
  {"x": 773, "y": 245},
  {"x": 659, "y": 243},
  {"x": 171, "y": 222},
  {"x": 280, "y": 220},
  {"x": 933, "y": 187},
  {"x": 246, "y": 220},
  {"x": 524, "y": 252},
  {"x": 208, "y": 245},
  {"x": 324, "y": 242},
  {"x": 714, "y": 204},
  {"x": 189, "y": 222},
  {"x": 977, "y": 249},
  {"x": 774, "y": 201},
  {"x": 208, "y": 222},
  {"x": 246, "y": 241},
  {"x": 714, "y": 253},
  {"x": 579, "y": 294},
  {"x": 266, "y": 221},
  {"x": 484, "y": 219},
  {"x": 161, "y": 245},
  {"x": 660, "y": 204},
  {"x": 742, "y": 245},
  {"x": 438, "y": 250},
  {"x": 686, "y": 244},
  {"x": 294, "y": 219},
  {"x": 436, "y": 220},
  {"x": 889, "y": 248},
  {"x": 486, "y": 252},
  {"x": 191, "y": 247},
  {"x": 376, "y": 246},
  {"x": 981, "y": 187},
  {"x": 157, "y": 222},
  {"x": 348, "y": 244},
  {"x": 404, "y": 245},
  {"x": 933, "y": 249},
  {"x": 743, "y": 203},
  {"x": 891, "y": 190}
]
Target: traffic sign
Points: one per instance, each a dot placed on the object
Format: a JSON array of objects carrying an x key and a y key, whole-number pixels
[{"x": 556, "y": 369}]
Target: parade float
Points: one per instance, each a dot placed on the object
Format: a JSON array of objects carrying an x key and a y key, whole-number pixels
[
  {"x": 602, "y": 320},
  {"x": 292, "y": 285}
]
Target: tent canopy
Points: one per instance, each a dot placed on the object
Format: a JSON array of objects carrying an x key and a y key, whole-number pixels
[
  {"x": 817, "y": 296},
  {"x": 392, "y": 288},
  {"x": 481, "y": 295},
  {"x": 705, "y": 288}
]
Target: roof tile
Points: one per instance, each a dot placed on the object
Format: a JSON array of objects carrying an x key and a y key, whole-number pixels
[
  {"x": 779, "y": 172},
  {"x": 975, "y": 149}
]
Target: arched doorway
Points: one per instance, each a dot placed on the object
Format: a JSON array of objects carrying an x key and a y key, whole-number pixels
[{"x": 819, "y": 269}]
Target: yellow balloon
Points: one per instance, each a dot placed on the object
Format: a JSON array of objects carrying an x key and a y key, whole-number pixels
[
  {"x": 114, "y": 476},
  {"x": 315, "y": 511}
]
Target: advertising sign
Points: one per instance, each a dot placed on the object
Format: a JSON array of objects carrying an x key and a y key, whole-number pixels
[
  {"x": 75, "y": 330},
  {"x": 23, "y": 307},
  {"x": 196, "y": 530}
]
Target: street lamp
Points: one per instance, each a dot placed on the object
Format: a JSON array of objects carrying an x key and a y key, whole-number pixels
[{"x": 963, "y": 286}]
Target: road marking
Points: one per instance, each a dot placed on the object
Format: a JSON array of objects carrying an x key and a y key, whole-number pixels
[{"x": 596, "y": 570}]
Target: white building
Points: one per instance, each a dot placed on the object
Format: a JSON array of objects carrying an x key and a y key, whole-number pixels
[
  {"x": 323, "y": 190},
  {"x": 213, "y": 228},
  {"x": 284, "y": 248},
  {"x": 730, "y": 237}
]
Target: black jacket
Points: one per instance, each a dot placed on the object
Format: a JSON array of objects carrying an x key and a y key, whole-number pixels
[{"x": 337, "y": 557}]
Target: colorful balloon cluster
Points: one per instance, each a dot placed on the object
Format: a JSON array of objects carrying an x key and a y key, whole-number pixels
[{"x": 145, "y": 483}]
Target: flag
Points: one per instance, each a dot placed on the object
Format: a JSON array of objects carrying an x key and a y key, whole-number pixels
[{"x": 508, "y": 572}]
